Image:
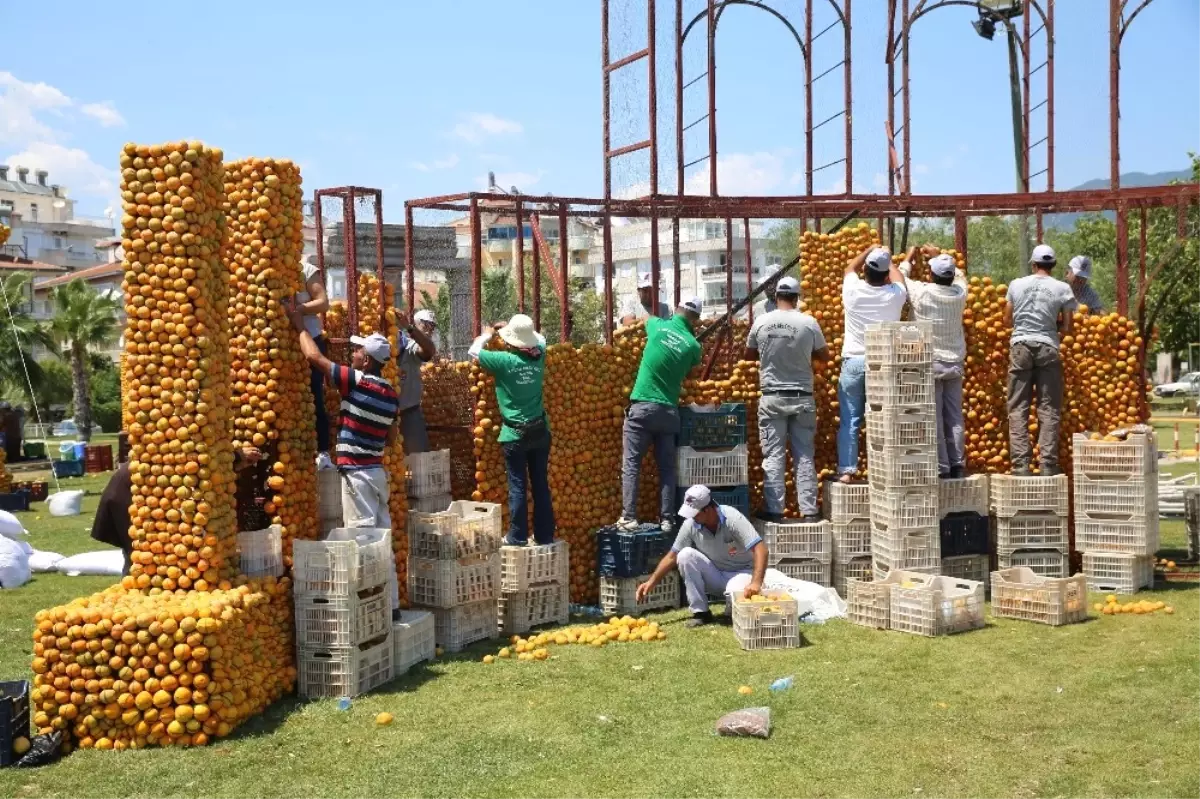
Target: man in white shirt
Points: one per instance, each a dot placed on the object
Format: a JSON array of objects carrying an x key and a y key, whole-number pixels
[
  {"x": 312, "y": 302},
  {"x": 942, "y": 302},
  {"x": 641, "y": 307},
  {"x": 1079, "y": 276},
  {"x": 879, "y": 298}
]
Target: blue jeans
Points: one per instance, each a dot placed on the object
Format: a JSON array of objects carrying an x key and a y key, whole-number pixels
[
  {"x": 317, "y": 384},
  {"x": 528, "y": 469},
  {"x": 852, "y": 407}
]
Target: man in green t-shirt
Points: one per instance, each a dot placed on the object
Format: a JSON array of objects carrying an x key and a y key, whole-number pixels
[
  {"x": 519, "y": 370},
  {"x": 653, "y": 413}
]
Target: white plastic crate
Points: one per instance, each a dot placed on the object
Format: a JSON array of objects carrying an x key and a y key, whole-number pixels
[
  {"x": 899, "y": 386},
  {"x": 1114, "y": 573},
  {"x": 851, "y": 540},
  {"x": 458, "y": 530},
  {"x": 521, "y": 567},
  {"x": 618, "y": 595},
  {"x": 412, "y": 639},
  {"x": 1045, "y": 562},
  {"x": 908, "y": 426},
  {"x": 942, "y": 606},
  {"x": 350, "y": 559},
  {"x": 881, "y": 570},
  {"x": 329, "y": 622},
  {"x": 796, "y": 539},
  {"x": 428, "y": 473},
  {"x": 901, "y": 467},
  {"x": 1020, "y": 593},
  {"x": 260, "y": 552},
  {"x": 1032, "y": 531},
  {"x": 434, "y": 504},
  {"x": 727, "y": 467},
  {"x": 908, "y": 550},
  {"x": 448, "y": 583},
  {"x": 868, "y": 603},
  {"x": 1010, "y": 495},
  {"x": 329, "y": 494},
  {"x": 811, "y": 570},
  {"x": 963, "y": 495},
  {"x": 899, "y": 343},
  {"x": 520, "y": 611},
  {"x": 1130, "y": 538},
  {"x": 1133, "y": 458},
  {"x": 844, "y": 502},
  {"x": 905, "y": 509},
  {"x": 458, "y": 627},
  {"x": 324, "y": 672},
  {"x": 858, "y": 568},
  {"x": 773, "y": 622},
  {"x": 1116, "y": 500},
  {"x": 967, "y": 567}
]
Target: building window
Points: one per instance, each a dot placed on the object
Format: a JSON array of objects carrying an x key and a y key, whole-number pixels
[
  {"x": 578, "y": 259},
  {"x": 58, "y": 242},
  {"x": 33, "y": 212},
  {"x": 713, "y": 230},
  {"x": 722, "y": 260}
]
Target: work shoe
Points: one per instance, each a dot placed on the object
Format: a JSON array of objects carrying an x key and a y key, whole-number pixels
[
  {"x": 958, "y": 472},
  {"x": 625, "y": 524},
  {"x": 323, "y": 461},
  {"x": 811, "y": 518},
  {"x": 699, "y": 620},
  {"x": 667, "y": 525},
  {"x": 1021, "y": 471},
  {"x": 1051, "y": 471},
  {"x": 768, "y": 516},
  {"x": 509, "y": 541}
]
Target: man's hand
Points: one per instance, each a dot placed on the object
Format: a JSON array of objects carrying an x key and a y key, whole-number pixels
[
  {"x": 752, "y": 589},
  {"x": 498, "y": 326},
  {"x": 251, "y": 454},
  {"x": 293, "y": 313},
  {"x": 930, "y": 250},
  {"x": 402, "y": 320},
  {"x": 643, "y": 591}
]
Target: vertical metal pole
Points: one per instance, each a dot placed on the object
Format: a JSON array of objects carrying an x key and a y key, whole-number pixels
[
  {"x": 808, "y": 101},
  {"x": 655, "y": 263},
  {"x": 350, "y": 247},
  {"x": 960, "y": 233},
  {"x": 1122, "y": 260},
  {"x": 652, "y": 91},
  {"x": 728, "y": 268},
  {"x": 891, "y": 86},
  {"x": 476, "y": 271},
  {"x": 1050, "y": 95},
  {"x": 1114, "y": 94},
  {"x": 712, "y": 99},
  {"x": 679, "y": 159},
  {"x": 320, "y": 237},
  {"x": 846, "y": 71},
  {"x": 520, "y": 261},
  {"x": 907, "y": 115},
  {"x": 564, "y": 274},
  {"x": 608, "y": 275},
  {"x": 410, "y": 266},
  {"x": 606, "y": 87},
  {"x": 749, "y": 267},
  {"x": 379, "y": 261},
  {"x": 537, "y": 284},
  {"x": 1038, "y": 217},
  {"x": 1142, "y": 260},
  {"x": 1026, "y": 11},
  {"x": 678, "y": 273},
  {"x": 1019, "y": 137}
]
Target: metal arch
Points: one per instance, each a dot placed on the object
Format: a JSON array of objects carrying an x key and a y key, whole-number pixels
[
  {"x": 722, "y": 4},
  {"x": 1125, "y": 23},
  {"x": 922, "y": 10}
]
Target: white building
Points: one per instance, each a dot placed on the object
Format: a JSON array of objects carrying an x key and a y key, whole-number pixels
[
  {"x": 702, "y": 260},
  {"x": 43, "y": 222}
]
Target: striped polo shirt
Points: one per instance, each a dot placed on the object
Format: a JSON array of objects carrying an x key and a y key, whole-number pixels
[{"x": 369, "y": 408}]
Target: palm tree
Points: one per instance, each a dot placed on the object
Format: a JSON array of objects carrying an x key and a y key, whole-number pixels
[
  {"x": 20, "y": 334},
  {"x": 83, "y": 318}
]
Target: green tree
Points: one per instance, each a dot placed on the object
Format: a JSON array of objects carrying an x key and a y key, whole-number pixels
[
  {"x": 83, "y": 318},
  {"x": 20, "y": 335},
  {"x": 55, "y": 385},
  {"x": 440, "y": 305}
]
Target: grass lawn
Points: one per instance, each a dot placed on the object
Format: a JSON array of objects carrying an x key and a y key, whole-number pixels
[{"x": 1104, "y": 708}]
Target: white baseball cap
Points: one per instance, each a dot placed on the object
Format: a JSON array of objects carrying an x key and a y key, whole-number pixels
[
  {"x": 644, "y": 280},
  {"x": 942, "y": 265},
  {"x": 425, "y": 315},
  {"x": 693, "y": 304},
  {"x": 695, "y": 500},
  {"x": 788, "y": 285},
  {"x": 375, "y": 345},
  {"x": 1043, "y": 255},
  {"x": 1081, "y": 266},
  {"x": 879, "y": 260}
]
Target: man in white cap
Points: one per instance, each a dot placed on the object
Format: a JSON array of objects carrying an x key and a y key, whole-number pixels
[
  {"x": 786, "y": 342},
  {"x": 520, "y": 369},
  {"x": 715, "y": 545},
  {"x": 941, "y": 302},
  {"x": 652, "y": 417},
  {"x": 312, "y": 302},
  {"x": 1040, "y": 311},
  {"x": 416, "y": 348},
  {"x": 879, "y": 298},
  {"x": 644, "y": 305},
  {"x": 1079, "y": 276}
]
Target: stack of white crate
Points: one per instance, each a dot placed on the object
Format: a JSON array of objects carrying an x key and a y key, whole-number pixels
[
  {"x": 454, "y": 570},
  {"x": 1031, "y": 523},
  {"x": 1116, "y": 511},
  {"x": 847, "y": 508},
  {"x": 343, "y": 606},
  {"x": 799, "y": 550},
  {"x": 902, "y": 462},
  {"x": 429, "y": 481},
  {"x": 534, "y": 587}
]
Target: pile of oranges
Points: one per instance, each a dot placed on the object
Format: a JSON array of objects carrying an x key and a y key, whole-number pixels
[
  {"x": 450, "y": 415},
  {"x": 1143, "y": 607},
  {"x": 5, "y": 474},
  {"x": 617, "y": 630}
]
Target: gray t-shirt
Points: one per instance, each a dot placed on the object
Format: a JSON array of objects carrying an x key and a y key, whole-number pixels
[
  {"x": 785, "y": 341},
  {"x": 1036, "y": 301},
  {"x": 410, "y": 379},
  {"x": 312, "y": 323},
  {"x": 1086, "y": 295},
  {"x": 729, "y": 547}
]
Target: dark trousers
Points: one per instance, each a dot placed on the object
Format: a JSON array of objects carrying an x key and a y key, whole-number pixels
[
  {"x": 1033, "y": 366},
  {"x": 529, "y": 470},
  {"x": 317, "y": 383}
]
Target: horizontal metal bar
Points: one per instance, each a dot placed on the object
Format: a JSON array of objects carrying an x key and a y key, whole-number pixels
[
  {"x": 831, "y": 69},
  {"x": 830, "y": 119},
  {"x": 627, "y": 60},
  {"x": 694, "y": 124},
  {"x": 698, "y": 160},
  {"x": 701, "y": 76},
  {"x": 826, "y": 166},
  {"x": 629, "y": 148},
  {"x": 827, "y": 29}
]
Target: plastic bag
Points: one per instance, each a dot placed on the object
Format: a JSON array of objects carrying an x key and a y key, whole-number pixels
[
  {"x": 65, "y": 503},
  {"x": 43, "y": 561},
  {"x": 14, "y": 564},
  {"x": 10, "y": 526},
  {"x": 751, "y": 722},
  {"x": 109, "y": 561},
  {"x": 43, "y": 750}
]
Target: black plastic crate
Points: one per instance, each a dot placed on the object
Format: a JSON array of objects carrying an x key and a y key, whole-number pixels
[
  {"x": 724, "y": 426},
  {"x": 14, "y": 717},
  {"x": 68, "y": 468},
  {"x": 734, "y": 496},
  {"x": 14, "y": 502},
  {"x": 965, "y": 533},
  {"x": 621, "y": 553}
]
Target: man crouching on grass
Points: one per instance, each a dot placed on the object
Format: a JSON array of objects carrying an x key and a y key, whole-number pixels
[{"x": 716, "y": 549}]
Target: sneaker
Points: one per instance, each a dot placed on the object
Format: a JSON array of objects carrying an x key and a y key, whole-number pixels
[
  {"x": 699, "y": 620},
  {"x": 323, "y": 461},
  {"x": 667, "y": 525},
  {"x": 1020, "y": 471},
  {"x": 943, "y": 475},
  {"x": 767, "y": 516},
  {"x": 509, "y": 541},
  {"x": 812, "y": 518},
  {"x": 625, "y": 524},
  {"x": 958, "y": 472},
  {"x": 1051, "y": 471}
]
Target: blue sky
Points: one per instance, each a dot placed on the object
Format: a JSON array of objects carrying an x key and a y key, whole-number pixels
[{"x": 424, "y": 98}]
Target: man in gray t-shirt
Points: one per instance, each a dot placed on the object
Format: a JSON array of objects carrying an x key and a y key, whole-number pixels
[
  {"x": 416, "y": 348},
  {"x": 785, "y": 342},
  {"x": 1039, "y": 311}
]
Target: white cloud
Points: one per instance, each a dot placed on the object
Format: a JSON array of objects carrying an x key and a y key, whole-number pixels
[
  {"x": 477, "y": 126},
  {"x": 105, "y": 113},
  {"x": 741, "y": 174},
  {"x": 449, "y": 162},
  {"x": 68, "y": 166},
  {"x": 522, "y": 180},
  {"x": 20, "y": 104}
]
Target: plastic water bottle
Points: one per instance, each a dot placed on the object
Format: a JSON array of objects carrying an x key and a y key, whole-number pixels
[
  {"x": 344, "y": 703},
  {"x": 782, "y": 684}
]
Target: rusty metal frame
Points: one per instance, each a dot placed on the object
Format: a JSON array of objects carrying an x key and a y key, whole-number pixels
[{"x": 348, "y": 195}]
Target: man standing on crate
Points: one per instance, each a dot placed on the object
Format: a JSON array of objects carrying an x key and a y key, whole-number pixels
[
  {"x": 941, "y": 303},
  {"x": 879, "y": 298},
  {"x": 645, "y": 304},
  {"x": 653, "y": 413},
  {"x": 416, "y": 348},
  {"x": 312, "y": 302},
  {"x": 786, "y": 342},
  {"x": 1079, "y": 277},
  {"x": 1039, "y": 310}
]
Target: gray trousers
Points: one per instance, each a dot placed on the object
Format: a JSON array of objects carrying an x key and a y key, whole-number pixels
[
  {"x": 648, "y": 423},
  {"x": 412, "y": 427},
  {"x": 947, "y": 408},
  {"x": 784, "y": 421},
  {"x": 702, "y": 579},
  {"x": 1033, "y": 365}
]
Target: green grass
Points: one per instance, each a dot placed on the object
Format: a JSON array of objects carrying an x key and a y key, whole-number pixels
[{"x": 1104, "y": 708}]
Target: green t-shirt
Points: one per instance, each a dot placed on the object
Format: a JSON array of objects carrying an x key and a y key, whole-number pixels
[
  {"x": 518, "y": 387},
  {"x": 671, "y": 352}
]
